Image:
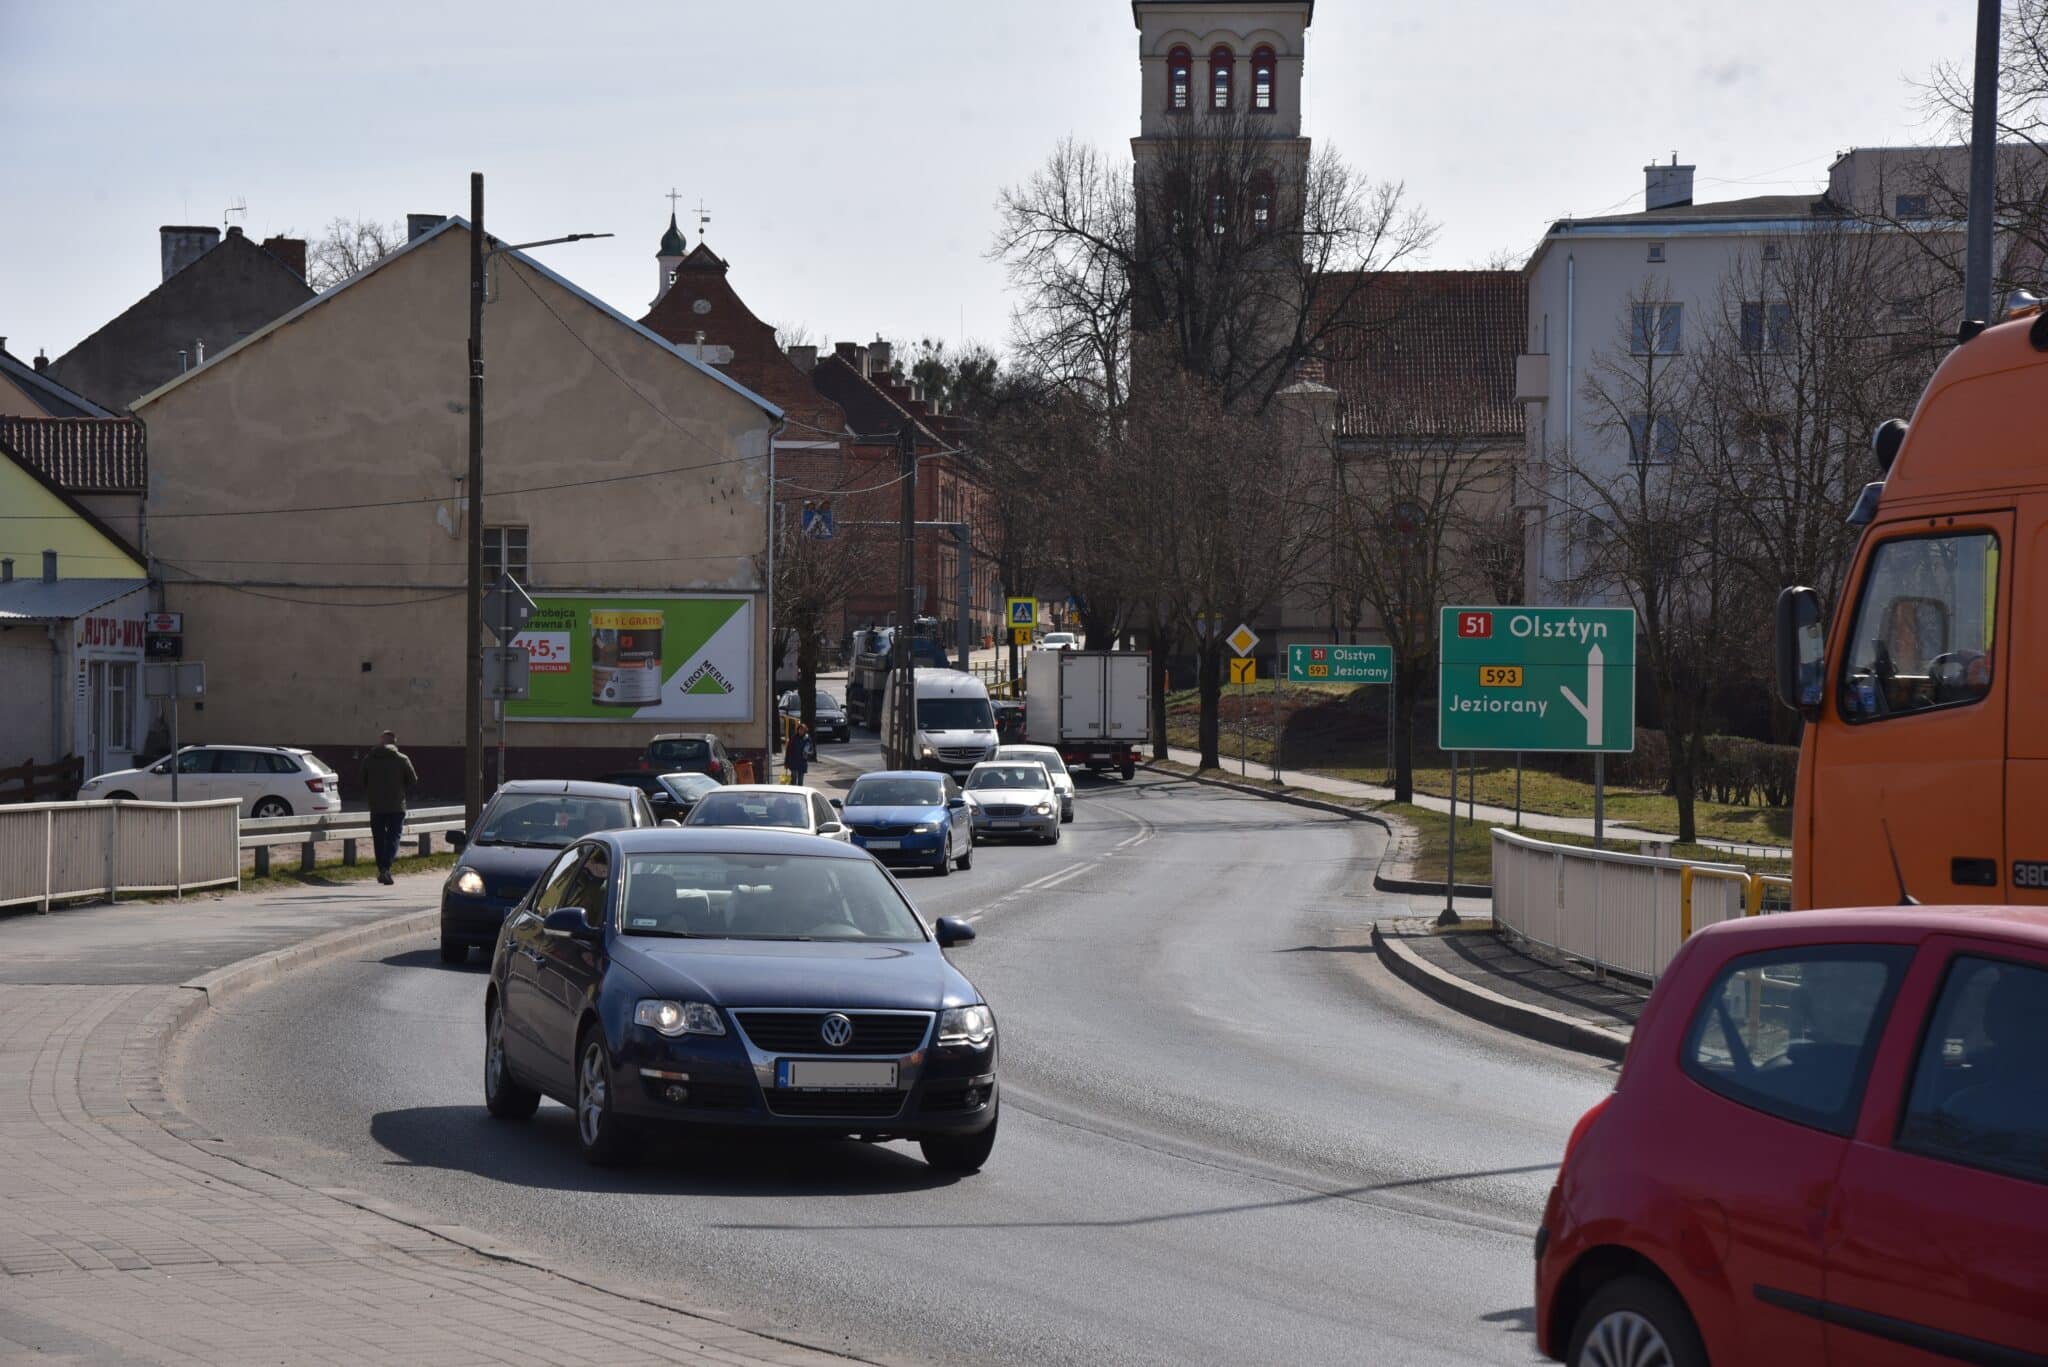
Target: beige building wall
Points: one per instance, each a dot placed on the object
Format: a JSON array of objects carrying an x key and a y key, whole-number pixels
[{"x": 306, "y": 505}]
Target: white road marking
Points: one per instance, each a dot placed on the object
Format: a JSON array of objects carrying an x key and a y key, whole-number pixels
[{"x": 1052, "y": 878}]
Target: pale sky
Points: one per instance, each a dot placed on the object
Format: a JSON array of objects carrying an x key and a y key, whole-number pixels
[{"x": 850, "y": 154}]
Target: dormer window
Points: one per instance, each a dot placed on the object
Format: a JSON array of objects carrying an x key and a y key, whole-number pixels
[
  {"x": 1180, "y": 75},
  {"x": 1265, "y": 95},
  {"x": 1221, "y": 64}
]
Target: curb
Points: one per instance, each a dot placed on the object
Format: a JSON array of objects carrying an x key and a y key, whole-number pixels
[
  {"x": 1483, "y": 1004},
  {"x": 1380, "y": 882},
  {"x": 225, "y": 984}
]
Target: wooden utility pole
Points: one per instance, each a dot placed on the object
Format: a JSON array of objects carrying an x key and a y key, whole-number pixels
[
  {"x": 473, "y": 633},
  {"x": 904, "y": 665}
]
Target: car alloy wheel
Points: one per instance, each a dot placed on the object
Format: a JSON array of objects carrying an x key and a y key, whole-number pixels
[
  {"x": 597, "y": 1126},
  {"x": 1635, "y": 1322},
  {"x": 270, "y": 807},
  {"x": 1623, "y": 1338},
  {"x": 503, "y": 1097}
]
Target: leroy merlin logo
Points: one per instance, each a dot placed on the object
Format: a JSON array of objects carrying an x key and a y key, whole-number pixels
[{"x": 707, "y": 680}]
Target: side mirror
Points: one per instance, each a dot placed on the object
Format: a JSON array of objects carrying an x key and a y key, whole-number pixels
[
  {"x": 837, "y": 805},
  {"x": 1801, "y": 651},
  {"x": 830, "y": 828},
  {"x": 956, "y": 803},
  {"x": 951, "y": 930},
  {"x": 571, "y": 923},
  {"x": 671, "y": 823},
  {"x": 457, "y": 839}
]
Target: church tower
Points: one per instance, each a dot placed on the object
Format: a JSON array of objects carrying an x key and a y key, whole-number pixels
[
  {"x": 1220, "y": 64},
  {"x": 674, "y": 247}
]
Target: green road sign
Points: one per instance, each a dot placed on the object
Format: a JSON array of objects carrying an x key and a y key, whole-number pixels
[
  {"x": 1536, "y": 679},
  {"x": 1340, "y": 664}
]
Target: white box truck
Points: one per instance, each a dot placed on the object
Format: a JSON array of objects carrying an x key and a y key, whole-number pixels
[{"x": 1094, "y": 707}]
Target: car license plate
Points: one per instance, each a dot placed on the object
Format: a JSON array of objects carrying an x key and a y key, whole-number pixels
[
  {"x": 1005, "y": 825},
  {"x": 883, "y": 844},
  {"x": 835, "y": 1074}
]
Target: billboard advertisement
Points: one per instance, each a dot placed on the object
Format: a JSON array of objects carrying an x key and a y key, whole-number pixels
[{"x": 668, "y": 658}]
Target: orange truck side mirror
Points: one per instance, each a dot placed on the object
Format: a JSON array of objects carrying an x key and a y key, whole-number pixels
[{"x": 1801, "y": 651}]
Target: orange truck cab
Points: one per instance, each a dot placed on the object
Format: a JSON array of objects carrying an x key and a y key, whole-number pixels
[{"x": 1923, "y": 771}]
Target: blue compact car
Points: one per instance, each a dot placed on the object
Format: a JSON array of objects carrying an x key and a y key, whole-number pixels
[
  {"x": 521, "y": 829},
  {"x": 911, "y": 817},
  {"x": 740, "y": 978}
]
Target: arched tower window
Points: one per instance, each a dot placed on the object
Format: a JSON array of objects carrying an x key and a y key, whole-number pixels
[
  {"x": 1262, "y": 202},
  {"x": 1180, "y": 79},
  {"x": 1221, "y": 71},
  {"x": 1265, "y": 78},
  {"x": 1219, "y": 205}
]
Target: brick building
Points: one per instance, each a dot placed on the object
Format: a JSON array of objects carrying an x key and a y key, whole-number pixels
[{"x": 838, "y": 448}]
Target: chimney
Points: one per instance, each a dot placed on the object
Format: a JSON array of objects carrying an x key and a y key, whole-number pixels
[
  {"x": 235, "y": 230},
  {"x": 42, "y": 362},
  {"x": 199, "y": 351},
  {"x": 183, "y": 246},
  {"x": 854, "y": 354},
  {"x": 879, "y": 353},
  {"x": 419, "y": 225},
  {"x": 804, "y": 358},
  {"x": 7, "y": 570},
  {"x": 917, "y": 391},
  {"x": 290, "y": 250},
  {"x": 1665, "y": 187},
  {"x": 49, "y": 567}
]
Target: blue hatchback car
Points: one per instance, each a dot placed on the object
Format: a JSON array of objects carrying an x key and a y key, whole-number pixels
[
  {"x": 749, "y": 979},
  {"x": 911, "y": 817}
]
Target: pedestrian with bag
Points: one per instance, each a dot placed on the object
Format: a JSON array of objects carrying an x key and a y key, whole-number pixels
[
  {"x": 796, "y": 755},
  {"x": 387, "y": 777}
]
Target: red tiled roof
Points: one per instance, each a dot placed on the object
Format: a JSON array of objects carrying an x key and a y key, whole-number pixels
[
  {"x": 1426, "y": 353},
  {"x": 82, "y": 455}
]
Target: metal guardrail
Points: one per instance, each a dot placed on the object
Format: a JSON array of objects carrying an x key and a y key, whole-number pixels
[
  {"x": 350, "y": 828},
  {"x": 1622, "y": 913},
  {"x": 62, "y": 851}
]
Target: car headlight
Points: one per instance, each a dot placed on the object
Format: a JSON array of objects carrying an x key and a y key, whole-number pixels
[
  {"x": 470, "y": 883},
  {"x": 1043, "y": 809},
  {"x": 679, "y": 1018},
  {"x": 925, "y": 828},
  {"x": 974, "y": 1025},
  {"x": 926, "y": 752}
]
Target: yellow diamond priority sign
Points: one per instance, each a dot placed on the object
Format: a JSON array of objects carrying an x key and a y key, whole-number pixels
[{"x": 1242, "y": 640}]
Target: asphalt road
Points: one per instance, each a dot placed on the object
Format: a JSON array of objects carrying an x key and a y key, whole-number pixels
[{"x": 1224, "y": 1139}]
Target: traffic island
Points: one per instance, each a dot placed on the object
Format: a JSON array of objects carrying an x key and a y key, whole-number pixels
[{"x": 1472, "y": 969}]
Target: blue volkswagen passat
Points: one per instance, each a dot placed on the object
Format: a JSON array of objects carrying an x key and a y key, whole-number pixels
[
  {"x": 910, "y": 816},
  {"x": 742, "y": 978}
]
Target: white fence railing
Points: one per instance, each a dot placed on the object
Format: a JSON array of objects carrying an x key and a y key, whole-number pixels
[
  {"x": 1627, "y": 913},
  {"x": 307, "y": 832},
  {"x": 59, "y": 851}
]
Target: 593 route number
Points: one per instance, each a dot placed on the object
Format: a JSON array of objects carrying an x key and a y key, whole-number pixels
[{"x": 1500, "y": 676}]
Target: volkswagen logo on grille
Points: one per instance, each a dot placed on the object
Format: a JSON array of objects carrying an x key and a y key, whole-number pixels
[{"x": 836, "y": 1030}]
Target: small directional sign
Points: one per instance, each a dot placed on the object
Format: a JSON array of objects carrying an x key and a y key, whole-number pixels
[
  {"x": 1340, "y": 664},
  {"x": 1244, "y": 671},
  {"x": 506, "y": 608},
  {"x": 1242, "y": 640},
  {"x": 1023, "y": 612},
  {"x": 1518, "y": 678}
]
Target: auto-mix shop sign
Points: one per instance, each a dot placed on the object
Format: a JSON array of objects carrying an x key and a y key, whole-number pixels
[
  {"x": 1537, "y": 679},
  {"x": 672, "y": 658}
]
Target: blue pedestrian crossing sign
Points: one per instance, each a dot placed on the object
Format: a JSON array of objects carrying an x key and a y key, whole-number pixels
[
  {"x": 1023, "y": 612},
  {"x": 817, "y": 521}
]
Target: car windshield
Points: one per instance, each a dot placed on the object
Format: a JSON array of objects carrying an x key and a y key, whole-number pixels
[
  {"x": 549, "y": 820},
  {"x": 1008, "y": 776},
  {"x": 1049, "y": 758},
  {"x": 826, "y": 702},
  {"x": 727, "y": 808},
  {"x": 679, "y": 751},
  {"x": 703, "y": 895},
  {"x": 896, "y": 792},
  {"x": 688, "y": 787},
  {"x": 954, "y": 714}
]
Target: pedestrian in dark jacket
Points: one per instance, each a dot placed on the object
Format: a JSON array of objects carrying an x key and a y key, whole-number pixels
[
  {"x": 796, "y": 756},
  {"x": 387, "y": 777}
]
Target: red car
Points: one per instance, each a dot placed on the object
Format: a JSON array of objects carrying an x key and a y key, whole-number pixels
[{"x": 1829, "y": 1144}]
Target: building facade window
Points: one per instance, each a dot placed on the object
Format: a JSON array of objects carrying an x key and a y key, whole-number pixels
[
  {"x": 120, "y": 723},
  {"x": 1909, "y": 206},
  {"x": 1656, "y": 329},
  {"x": 1766, "y": 326},
  {"x": 505, "y": 552},
  {"x": 1262, "y": 202},
  {"x": 1180, "y": 75},
  {"x": 1265, "y": 91},
  {"x": 1222, "y": 65},
  {"x": 1652, "y": 441}
]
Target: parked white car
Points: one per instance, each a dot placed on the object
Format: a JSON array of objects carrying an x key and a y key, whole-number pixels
[
  {"x": 1062, "y": 781},
  {"x": 270, "y": 780},
  {"x": 774, "y": 806},
  {"x": 1059, "y": 640}
]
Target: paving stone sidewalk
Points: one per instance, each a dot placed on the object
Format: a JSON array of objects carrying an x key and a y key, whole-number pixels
[{"x": 128, "y": 1235}]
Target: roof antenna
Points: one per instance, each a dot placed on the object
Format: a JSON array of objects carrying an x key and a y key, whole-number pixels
[{"x": 1906, "y": 899}]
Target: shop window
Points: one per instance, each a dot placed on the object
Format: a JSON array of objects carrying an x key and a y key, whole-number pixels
[
  {"x": 505, "y": 552},
  {"x": 120, "y": 723}
]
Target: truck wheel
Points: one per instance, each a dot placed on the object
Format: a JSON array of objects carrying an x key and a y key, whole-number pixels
[{"x": 1130, "y": 771}]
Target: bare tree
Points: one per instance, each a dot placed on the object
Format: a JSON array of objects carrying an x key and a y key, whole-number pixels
[
  {"x": 814, "y": 575},
  {"x": 349, "y": 247}
]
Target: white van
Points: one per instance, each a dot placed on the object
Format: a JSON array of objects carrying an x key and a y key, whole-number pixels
[{"x": 955, "y": 725}]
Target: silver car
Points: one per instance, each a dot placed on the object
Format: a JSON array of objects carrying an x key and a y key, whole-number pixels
[{"x": 1013, "y": 798}]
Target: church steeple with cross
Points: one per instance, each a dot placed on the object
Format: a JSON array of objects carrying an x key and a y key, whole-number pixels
[{"x": 674, "y": 247}]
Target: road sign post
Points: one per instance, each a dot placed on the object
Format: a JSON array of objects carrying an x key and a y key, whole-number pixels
[
  {"x": 175, "y": 682},
  {"x": 1243, "y": 670}
]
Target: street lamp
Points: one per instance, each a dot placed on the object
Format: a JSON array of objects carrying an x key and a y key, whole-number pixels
[{"x": 472, "y": 705}]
